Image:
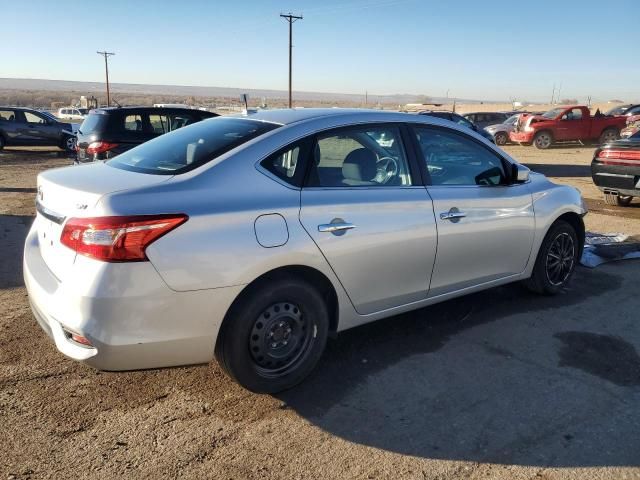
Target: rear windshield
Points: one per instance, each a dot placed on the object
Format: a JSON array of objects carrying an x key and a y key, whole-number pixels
[
  {"x": 189, "y": 147},
  {"x": 92, "y": 123}
]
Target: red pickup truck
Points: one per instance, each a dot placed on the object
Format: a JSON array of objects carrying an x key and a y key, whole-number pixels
[{"x": 563, "y": 124}]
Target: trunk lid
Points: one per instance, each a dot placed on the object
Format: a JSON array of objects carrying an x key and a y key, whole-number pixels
[{"x": 69, "y": 192}]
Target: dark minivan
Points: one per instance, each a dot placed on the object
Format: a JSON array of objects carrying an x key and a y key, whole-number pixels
[{"x": 107, "y": 132}]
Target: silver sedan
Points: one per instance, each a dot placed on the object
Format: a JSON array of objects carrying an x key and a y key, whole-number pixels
[{"x": 252, "y": 238}]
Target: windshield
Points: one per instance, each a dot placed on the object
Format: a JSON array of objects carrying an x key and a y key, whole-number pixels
[
  {"x": 189, "y": 147},
  {"x": 49, "y": 115},
  {"x": 553, "y": 113},
  {"x": 618, "y": 110},
  {"x": 512, "y": 119}
]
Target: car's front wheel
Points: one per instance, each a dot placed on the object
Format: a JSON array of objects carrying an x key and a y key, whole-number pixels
[
  {"x": 556, "y": 261},
  {"x": 274, "y": 335},
  {"x": 543, "y": 140}
]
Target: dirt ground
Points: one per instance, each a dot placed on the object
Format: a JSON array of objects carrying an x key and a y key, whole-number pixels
[{"x": 501, "y": 384}]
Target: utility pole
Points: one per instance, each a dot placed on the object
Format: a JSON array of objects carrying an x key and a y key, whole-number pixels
[
  {"x": 291, "y": 19},
  {"x": 106, "y": 55},
  {"x": 553, "y": 93}
]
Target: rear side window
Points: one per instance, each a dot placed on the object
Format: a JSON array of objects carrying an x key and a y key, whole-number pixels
[
  {"x": 287, "y": 164},
  {"x": 179, "y": 120},
  {"x": 190, "y": 147},
  {"x": 93, "y": 122},
  {"x": 7, "y": 116},
  {"x": 133, "y": 123}
]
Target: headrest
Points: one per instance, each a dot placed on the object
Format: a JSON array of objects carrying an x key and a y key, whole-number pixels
[{"x": 360, "y": 165}]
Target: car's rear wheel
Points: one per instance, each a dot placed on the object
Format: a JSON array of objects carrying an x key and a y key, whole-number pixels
[
  {"x": 274, "y": 335},
  {"x": 1, "y": 142},
  {"x": 556, "y": 261},
  {"x": 501, "y": 138},
  {"x": 543, "y": 140},
  {"x": 609, "y": 135}
]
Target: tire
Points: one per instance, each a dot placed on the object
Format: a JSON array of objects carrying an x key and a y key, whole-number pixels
[
  {"x": 274, "y": 335},
  {"x": 547, "y": 277},
  {"x": 617, "y": 200},
  {"x": 1, "y": 142},
  {"x": 501, "y": 138},
  {"x": 543, "y": 140},
  {"x": 609, "y": 135},
  {"x": 68, "y": 144}
]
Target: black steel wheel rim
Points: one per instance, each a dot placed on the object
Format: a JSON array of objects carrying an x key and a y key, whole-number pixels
[
  {"x": 560, "y": 259},
  {"x": 280, "y": 339}
]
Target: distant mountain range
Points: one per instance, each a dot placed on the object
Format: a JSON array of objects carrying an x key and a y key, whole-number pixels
[{"x": 90, "y": 88}]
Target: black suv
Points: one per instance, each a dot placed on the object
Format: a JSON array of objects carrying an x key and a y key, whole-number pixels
[
  {"x": 26, "y": 127},
  {"x": 460, "y": 120},
  {"x": 107, "y": 132}
]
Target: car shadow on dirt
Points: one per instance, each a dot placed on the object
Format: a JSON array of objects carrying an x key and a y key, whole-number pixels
[
  {"x": 560, "y": 170},
  {"x": 491, "y": 377},
  {"x": 13, "y": 231}
]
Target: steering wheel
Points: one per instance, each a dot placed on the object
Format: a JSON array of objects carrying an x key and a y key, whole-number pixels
[{"x": 387, "y": 168}]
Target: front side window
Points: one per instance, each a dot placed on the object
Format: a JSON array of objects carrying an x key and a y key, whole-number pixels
[
  {"x": 573, "y": 114},
  {"x": 359, "y": 157},
  {"x": 188, "y": 148},
  {"x": 159, "y": 123},
  {"x": 179, "y": 120},
  {"x": 455, "y": 159},
  {"x": 33, "y": 118}
]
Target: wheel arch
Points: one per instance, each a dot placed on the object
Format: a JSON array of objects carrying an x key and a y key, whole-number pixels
[
  {"x": 577, "y": 223},
  {"x": 310, "y": 274}
]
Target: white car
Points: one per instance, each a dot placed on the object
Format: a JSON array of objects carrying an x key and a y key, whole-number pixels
[
  {"x": 251, "y": 239},
  {"x": 72, "y": 113}
]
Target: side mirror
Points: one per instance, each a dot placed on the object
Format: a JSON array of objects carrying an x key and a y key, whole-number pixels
[{"x": 519, "y": 173}]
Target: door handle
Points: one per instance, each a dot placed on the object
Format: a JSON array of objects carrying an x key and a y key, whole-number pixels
[
  {"x": 452, "y": 215},
  {"x": 335, "y": 227}
]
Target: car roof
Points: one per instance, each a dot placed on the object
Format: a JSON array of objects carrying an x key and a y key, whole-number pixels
[
  {"x": 286, "y": 116},
  {"x": 107, "y": 110}
]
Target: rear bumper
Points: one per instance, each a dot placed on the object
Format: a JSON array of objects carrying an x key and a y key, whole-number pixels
[
  {"x": 130, "y": 316},
  {"x": 622, "y": 179},
  {"x": 521, "y": 137}
]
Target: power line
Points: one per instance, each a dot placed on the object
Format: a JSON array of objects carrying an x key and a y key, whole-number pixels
[
  {"x": 291, "y": 19},
  {"x": 106, "y": 55}
]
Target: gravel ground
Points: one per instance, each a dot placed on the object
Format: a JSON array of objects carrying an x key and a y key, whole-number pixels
[{"x": 502, "y": 384}]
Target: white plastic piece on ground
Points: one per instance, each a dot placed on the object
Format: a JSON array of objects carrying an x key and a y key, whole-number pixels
[{"x": 607, "y": 247}]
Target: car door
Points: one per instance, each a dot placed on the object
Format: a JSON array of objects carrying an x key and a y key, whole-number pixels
[
  {"x": 572, "y": 125},
  {"x": 39, "y": 130},
  {"x": 365, "y": 208},
  {"x": 9, "y": 125},
  {"x": 485, "y": 222}
]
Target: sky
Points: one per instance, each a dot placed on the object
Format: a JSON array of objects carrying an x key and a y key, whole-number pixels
[{"x": 474, "y": 49}]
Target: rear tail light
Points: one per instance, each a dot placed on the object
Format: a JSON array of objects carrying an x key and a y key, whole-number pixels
[
  {"x": 117, "y": 239},
  {"x": 619, "y": 157},
  {"x": 100, "y": 147}
]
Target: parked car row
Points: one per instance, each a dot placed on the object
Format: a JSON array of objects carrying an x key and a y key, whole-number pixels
[
  {"x": 460, "y": 120},
  {"x": 104, "y": 133}
]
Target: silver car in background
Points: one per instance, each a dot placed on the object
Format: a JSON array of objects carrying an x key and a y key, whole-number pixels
[
  {"x": 250, "y": 239},
  {"x": 500, "y": 131}
]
